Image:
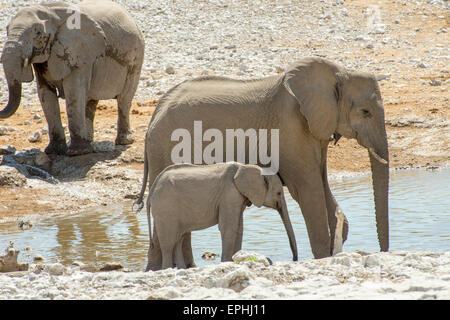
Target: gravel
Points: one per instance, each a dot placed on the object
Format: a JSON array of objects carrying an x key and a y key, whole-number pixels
[
  {"x": 248, "y": 39},
  {"x": 348, "y": 275}
]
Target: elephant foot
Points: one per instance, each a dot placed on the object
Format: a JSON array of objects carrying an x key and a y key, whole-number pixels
[
  {"x": 58, "y": 147},
  {"x": 79, "y": 147},
  {"x": 124, "y": 139}
]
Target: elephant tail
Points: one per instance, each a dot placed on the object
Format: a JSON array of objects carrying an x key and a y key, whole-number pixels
[
  {"x": 140, "y": 201},
  {"x": 149, "y": 219}
]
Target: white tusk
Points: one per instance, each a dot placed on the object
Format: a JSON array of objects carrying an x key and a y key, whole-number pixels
[
  {"x": 26, "y": 62},
  {"x": 338, "y": 240},
  {"x": 377, "y": 157}
]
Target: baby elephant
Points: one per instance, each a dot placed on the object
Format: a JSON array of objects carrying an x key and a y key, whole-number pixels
[{"x": 186, "y": 197}]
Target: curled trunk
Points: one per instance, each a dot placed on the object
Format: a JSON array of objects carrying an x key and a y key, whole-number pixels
[
  {"x": 12, "y": 65},
  {"x": 15, "y": 93}
]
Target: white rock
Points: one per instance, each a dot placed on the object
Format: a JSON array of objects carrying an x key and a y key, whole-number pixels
[
  {"x": 36, "y": 137},
  {"x": 170, "y": 69},
  {"x": 242, "y": 257},
  {"x": 55, "y": 269}
]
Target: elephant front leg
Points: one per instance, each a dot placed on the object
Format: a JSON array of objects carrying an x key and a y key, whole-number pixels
[
  {"x": 76, "y": 87},
  {"x": 337, "y": 221},
  {"x": 229, "y": 226},
  {"x": 307, "y": 189},
  {"x": 50, "y": 105},
  {"x": 240, "y": 233}
]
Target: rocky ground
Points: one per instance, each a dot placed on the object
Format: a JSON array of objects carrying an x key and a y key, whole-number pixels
[
  {"x": 348, "y": 275},
  {"x": 404, "y": 43}
]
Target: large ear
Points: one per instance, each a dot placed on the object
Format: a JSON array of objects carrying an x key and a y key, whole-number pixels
[
  {"x": 251, "y": 183},
  {"x": 75, "y": 46},
  {"x": 312, "y": 82}
]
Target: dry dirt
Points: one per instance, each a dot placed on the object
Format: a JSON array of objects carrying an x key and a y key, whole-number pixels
[{"x": 417, "y": 120}]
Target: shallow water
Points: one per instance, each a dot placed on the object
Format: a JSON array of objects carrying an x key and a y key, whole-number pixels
[{"x": 419, "y": 220}]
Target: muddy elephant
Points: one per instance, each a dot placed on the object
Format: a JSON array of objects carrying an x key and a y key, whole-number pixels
[
  {"x": 187, "y": 197},
  {"x": 313, "y": 100},
  {"x": 81, "y": 53}
]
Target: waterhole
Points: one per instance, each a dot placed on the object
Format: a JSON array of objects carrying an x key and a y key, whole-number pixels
[{"x": 419, "y": 220}]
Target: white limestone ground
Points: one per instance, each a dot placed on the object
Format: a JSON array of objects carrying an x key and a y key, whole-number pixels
[{"x": 348, "y": 275}]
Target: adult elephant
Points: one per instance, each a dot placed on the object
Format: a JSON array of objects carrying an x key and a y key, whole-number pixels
[
  {"x": 84, "y": 53},
  {"x": 312, "y": 101}
]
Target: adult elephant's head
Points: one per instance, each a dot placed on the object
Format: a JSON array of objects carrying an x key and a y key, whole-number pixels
[
  {"x": 336, "y": 101},
  {"x": 33, "y": 38}
]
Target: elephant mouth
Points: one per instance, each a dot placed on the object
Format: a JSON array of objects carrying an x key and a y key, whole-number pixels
[
  {"x": 372, "y": 151},
  {"x": 377, "y": 157}
]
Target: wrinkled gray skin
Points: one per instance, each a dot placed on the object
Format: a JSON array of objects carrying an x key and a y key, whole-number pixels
[
  {"x": 186, "y": 197},
  {"x": 100, "y": 60},
  {"x": 313, "y": 100}
]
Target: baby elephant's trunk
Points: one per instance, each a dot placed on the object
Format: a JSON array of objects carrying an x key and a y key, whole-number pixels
[{"x": 282, "y": 210}]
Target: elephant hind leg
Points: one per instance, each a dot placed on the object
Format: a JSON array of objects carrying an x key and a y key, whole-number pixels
[
  {"x": 178, "y": 254},
  {"x": 90, "y": 114},
  {"x": 154, "y": 256},
  {"x": 124, "y": 100}
]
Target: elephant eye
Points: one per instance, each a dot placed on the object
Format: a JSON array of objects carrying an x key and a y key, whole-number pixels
[
  {"x": 366, "y": 113},
  {"x": 279, "y": 193}
]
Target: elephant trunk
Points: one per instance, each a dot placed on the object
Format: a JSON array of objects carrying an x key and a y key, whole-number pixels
[
  {"x": 283, "y": 211},
  {"x": 12, "y": 65},
  {"x": 380, "y": 179}
]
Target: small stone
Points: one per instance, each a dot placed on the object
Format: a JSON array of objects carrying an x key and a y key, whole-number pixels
[
  {"x": 36, "y": 137},
  {"x": 112, "y": 266},
  {"x": 209, "y": 256},
  {"x": 55, "y": 269},
  {"x": 243, "y": 67},
  {"x": 229, "y": 47},
  {"x": 435, "y": 83},
  {"x": 3, "y": 131},
  {"x": 422, "y": 65},
  {"x": 213, "y": 47},
  {"x": 381, "y": 77},
  {"x": 241, "y": 257},
  {"x": 7, "y": 150},
  {"x": 371, "y": 261},
  {"x": 38, "y": 259},
  {"x": 9, "y": 176},
  {"x": 79, "y": 264},
  {"x": 27, "y": 123},
  {"x": 9, "y": 263},
  {"x": 25, "y": 225},
  {"x": 37, "y": 117},
  {"x": 170, "y": 70}
]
